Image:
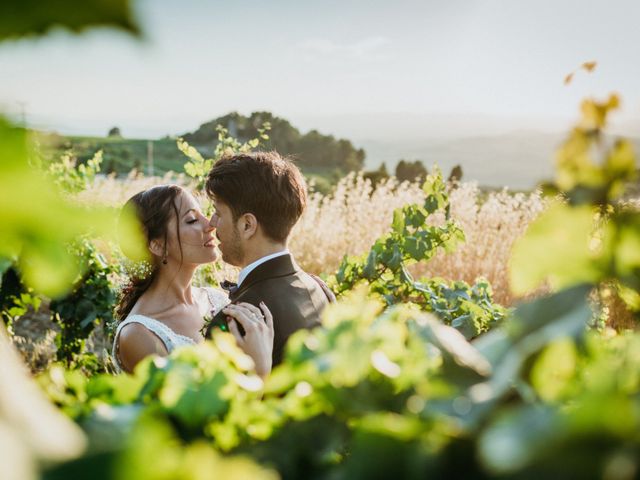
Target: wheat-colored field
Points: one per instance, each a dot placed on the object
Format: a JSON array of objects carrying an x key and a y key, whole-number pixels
[{"x": 348, "y": 221}]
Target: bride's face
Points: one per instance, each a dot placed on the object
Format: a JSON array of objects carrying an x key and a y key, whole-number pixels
[{"x": 196, "y": 236}]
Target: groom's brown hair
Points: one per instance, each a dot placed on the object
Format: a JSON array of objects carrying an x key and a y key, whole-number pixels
[{"x": 262, "y": 183}]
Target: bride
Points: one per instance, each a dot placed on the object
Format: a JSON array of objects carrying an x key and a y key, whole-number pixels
[{"x": 163, "y": 310}]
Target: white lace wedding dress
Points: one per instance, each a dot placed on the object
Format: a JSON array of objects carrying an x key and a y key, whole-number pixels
[{"x": 216, "y": 299}]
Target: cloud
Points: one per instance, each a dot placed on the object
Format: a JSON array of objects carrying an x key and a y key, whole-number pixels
[{"x": 368, "y": 48}]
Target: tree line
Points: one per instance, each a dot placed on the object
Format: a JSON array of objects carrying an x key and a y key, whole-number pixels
[{"x": 312, "y": 149}]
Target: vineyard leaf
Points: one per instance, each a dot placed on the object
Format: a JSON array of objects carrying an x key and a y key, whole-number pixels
[
  {"x": 568, "y": 79},
  {"x": 32, "y": 212},
  {"x": 398, "y": 221},
  {"x": 627, "y": 251},
  {"x": 369, "y": 270},
  {"x": 554, "y": 368},
  {"x": 555, "y": 248},
  {"x": 19, "y": 18},
  {"x": 514, "y": 439},
  {"x": 456, "y": 350},
  {"x": 567, "y": 310}
]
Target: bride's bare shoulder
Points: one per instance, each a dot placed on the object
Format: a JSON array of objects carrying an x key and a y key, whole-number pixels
[{"x": 136, "y": 342}]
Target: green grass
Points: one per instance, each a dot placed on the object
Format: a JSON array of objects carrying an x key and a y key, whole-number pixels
[{"x": 121, "y": 155}]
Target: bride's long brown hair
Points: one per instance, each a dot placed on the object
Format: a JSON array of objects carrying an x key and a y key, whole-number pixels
[{"x": 154, "y": 208}]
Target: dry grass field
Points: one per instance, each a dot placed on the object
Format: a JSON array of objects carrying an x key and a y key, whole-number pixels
[{"x": 348, "y": 221}]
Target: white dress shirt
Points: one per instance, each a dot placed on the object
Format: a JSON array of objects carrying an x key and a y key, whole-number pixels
[{"x": 246, "y": 270}]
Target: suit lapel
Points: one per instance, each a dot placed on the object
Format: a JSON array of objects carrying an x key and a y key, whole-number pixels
[{"x": 280, "y": 266}]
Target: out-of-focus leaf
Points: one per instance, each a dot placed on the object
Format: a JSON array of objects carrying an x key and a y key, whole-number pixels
[
  {"x": 43, "y": 432},
  {"x": 554, "y": 368},
  {"x": 568, "y": 78},
  {"x": 37, "y": 223},
  {"x": 516, "y": 437},
  {"x": 465, "y": 325},
  {"x": 398, "y": 221},
  {"x": 627, "y": 249},
  {"x": 556, "y": 248},
  {"x": 565, "y": 313},
  {"x": 620, "y": 162},
  {"x": 5, "y": 263},
  {"x": 152, "y": 451},
  {"x": 21, "y": 18},
  {"x": 532, "y": 326},
  {"x": 594, "y": 113},
  {"x": 191, "y": 399},
  {"x": 458, "y": 354},
  {"x": 386, "y": 446}
]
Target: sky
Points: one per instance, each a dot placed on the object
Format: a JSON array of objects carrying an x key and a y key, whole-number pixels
[{"x": 354, "y": 66}]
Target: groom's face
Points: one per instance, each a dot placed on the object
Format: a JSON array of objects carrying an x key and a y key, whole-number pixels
[{"x": 227, "y": 233}]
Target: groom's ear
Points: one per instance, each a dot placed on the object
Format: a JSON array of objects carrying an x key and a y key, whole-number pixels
[{"x": 247, "y": 225}]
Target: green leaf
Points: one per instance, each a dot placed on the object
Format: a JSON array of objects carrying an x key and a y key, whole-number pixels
[
  {"x": 554, "y": 368},
  {"x": 514, "y": 439},
  {"x": 369, "y": 270},
  {"x": 20, "y": 18},
  {"x": 398, "y": 221},
  {"x": 465, "y": 325},
  {"x": 620, "y": 162},
  {"x": 396, "y": 259},
  {"x": 557, "y": 248},
  {"x": 32, "y": 211},
  {"x": 5, "y": 263},
  {"x": 627, "y": 249},
  {"x": 86, "y": 312},
  {"x": 565, "y": 313},
  {"x": 458, "y": 354}
]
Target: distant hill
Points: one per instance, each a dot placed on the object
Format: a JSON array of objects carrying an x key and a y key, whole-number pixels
[
  {"x": 311, "y": 149},
  {"x": 514, "y": 151},
  {"x": 518, "y": 160}
]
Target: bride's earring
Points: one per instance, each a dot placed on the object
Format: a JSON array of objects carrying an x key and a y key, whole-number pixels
[{"x": 164, "y": 258}]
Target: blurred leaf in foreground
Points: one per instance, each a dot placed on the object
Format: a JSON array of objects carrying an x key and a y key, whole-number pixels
[
  {"x": 555, "y": 249},
  {"x": 31, "y": 428},
  {"x": 37, "y": 223},
  {"x": 19, "y": 18}
]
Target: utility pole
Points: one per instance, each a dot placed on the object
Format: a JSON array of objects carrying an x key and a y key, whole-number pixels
[{"x": 150, "y": 157}]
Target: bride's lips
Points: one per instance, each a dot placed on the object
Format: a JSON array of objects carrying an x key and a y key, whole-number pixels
[{"x": 210, "y": 242}]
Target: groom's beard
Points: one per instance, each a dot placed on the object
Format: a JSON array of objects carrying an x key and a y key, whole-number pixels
[{"x": 232, "y": 251}]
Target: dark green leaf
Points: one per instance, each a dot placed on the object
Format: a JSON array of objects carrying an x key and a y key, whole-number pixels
[{"x": 20, "y": 18}]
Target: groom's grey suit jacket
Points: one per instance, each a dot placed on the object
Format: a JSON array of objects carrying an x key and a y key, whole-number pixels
[{"x": 294, "y": 297}]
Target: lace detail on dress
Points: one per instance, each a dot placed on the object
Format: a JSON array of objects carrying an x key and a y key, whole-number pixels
[
  {"x": 170, "y": 338},
  {"x": 217, "y": 300}
]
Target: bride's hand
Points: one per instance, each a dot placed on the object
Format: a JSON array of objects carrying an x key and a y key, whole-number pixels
[{"x": 258, "y": 339}]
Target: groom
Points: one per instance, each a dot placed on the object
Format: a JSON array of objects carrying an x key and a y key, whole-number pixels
[{"x": 258, "y": 198}]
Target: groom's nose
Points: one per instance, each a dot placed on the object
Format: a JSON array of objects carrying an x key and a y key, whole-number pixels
[{"x": 213, "y": 221}]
